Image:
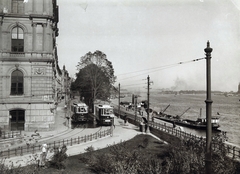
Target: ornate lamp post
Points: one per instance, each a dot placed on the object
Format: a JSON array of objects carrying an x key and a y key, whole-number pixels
[{"x": 208, "y": 101}]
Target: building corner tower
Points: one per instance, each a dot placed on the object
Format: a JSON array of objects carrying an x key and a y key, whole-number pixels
[{"x": 28, "y": 61}]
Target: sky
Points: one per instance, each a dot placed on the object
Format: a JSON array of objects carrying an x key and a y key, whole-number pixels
[{"x": 155, "y": 38}]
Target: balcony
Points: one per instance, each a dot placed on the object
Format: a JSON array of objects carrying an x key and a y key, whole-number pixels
[{"x": 17, "y": 54}]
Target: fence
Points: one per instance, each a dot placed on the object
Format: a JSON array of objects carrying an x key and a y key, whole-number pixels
[
  {"x": 11, "y": 134},
  {"x": 23, "y": 150},
  {"x": 231, "y": 150}
]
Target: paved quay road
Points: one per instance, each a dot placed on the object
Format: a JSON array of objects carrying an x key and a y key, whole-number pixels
[
  {"x": 63, "y": 131},
  {"x": 121, "y": 132}
]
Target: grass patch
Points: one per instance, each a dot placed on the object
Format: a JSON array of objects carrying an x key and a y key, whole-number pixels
[
  {"x": 145, "y": 154},
  {"x": 80, "y": 164},
  {"x": 126, "y": 156}
]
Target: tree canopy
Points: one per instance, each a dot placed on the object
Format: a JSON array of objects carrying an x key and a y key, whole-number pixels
[{"x": 95, "y": 78}]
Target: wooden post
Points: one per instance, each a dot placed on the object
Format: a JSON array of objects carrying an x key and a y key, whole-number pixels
[
  {"x": 135, "y": 106},
  {"x": 119, "y": 100},
  {"x": 148, "y": 82},
  {"x": 234, "y": 152}
]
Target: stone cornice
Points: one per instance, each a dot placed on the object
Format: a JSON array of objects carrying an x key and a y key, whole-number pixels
[
  {"x": 27, "y": 102},
  {"x": 49, "y": 60},
  {"x": 31, "y": 16}
]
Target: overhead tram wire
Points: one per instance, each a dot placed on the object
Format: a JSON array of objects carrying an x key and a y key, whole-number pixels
[
  {"x": 132, "y": 85},
  {"x": 128, "y": 85},
  {"x": 147, "y": 69},
  {"x": 159, "y": 68},
  {"x": 153, "y": 70},
  {"x": 146, "y": 73}
]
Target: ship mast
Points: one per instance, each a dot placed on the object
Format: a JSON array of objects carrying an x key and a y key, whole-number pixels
[{"x": 200, "y": 113}]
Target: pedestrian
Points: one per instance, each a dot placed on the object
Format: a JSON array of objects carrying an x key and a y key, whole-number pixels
[
  {"x": 43, "y": 155},
  {"x": 152, "y": 118},
  {"x": 125, "y": 118},
  {"x": 174, "y": 124},
  {"x": 112, "y": 123}
]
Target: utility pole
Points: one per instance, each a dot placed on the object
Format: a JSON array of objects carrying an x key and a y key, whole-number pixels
[
  {"x": 135, "y": 105},
  {"x": 119, "y": 100},
  {"x": 208, "y": 101},
  {"x": 148, "y": 83}
]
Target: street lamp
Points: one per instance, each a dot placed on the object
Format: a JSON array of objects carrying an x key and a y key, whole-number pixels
[{"x": 208, "y": 101}]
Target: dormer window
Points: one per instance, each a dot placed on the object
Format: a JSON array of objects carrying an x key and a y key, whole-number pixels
[
  {"x": 17, "y": 40},
  {"x": 17, "y": 6}
]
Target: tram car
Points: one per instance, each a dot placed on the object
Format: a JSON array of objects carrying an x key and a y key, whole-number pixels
[
  {"x": 79, "y": 112},
  {"x": 104, "y": 114}
]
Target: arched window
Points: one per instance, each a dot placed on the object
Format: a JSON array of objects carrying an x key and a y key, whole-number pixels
[
  {"x": 17, "y": 40},
  {"x": 17, "y": 83},
  {"x": 17, "y": 6}
]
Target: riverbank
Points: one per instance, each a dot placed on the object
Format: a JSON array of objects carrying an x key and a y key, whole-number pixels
[{"x": 226, "y": 108}]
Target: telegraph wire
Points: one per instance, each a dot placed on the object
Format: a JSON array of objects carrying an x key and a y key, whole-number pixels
[
  {"x": 146, "y": 73},
  {"x": 159, "y": 68},
  {"x": 147, "y": 69},
  {"x": 150, "y": 71},
  {"x": 134, "y": 84}
]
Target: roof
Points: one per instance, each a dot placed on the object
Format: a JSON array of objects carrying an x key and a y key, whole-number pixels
[
  {"x": 104, "y": 106},
  {"x": 80, "y": 104}
]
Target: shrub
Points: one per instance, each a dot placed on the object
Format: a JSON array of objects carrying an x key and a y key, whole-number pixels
[
  {"x": 31, "y": 168},
  {"x": 122, "y": 159},
  {"x": 189, "y": 157},
  {"x": 59, "y": 157},
  {"x": 186, "y": 158},
  {"x": 89, "y": 149}
]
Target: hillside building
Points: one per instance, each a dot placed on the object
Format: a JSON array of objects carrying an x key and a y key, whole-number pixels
[{"x": 29, "y": 72}]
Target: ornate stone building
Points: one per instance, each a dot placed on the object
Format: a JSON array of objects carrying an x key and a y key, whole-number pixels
[
  {"x": 66, "y": 81},
  {"x": 28, "y": 64}
]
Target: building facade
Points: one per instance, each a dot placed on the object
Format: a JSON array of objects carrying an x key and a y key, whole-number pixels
[
  {"x": 66, "y": 81},
  {"x": 28, "y": 64}
]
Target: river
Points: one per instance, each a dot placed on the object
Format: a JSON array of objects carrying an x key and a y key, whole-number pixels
[{"x": 226, "y": 108}]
